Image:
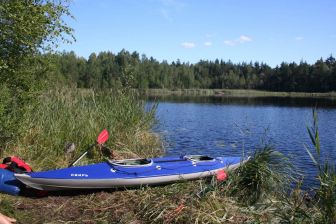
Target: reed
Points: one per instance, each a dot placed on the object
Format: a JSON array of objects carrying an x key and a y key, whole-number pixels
[
  {"x": 74, "y": 115},
  {"x": 326, "y": 192},
  {"x": 267, "y": 173}
]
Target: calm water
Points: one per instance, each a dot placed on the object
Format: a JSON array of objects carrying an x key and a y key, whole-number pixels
[{"x": 233, "y": 126}]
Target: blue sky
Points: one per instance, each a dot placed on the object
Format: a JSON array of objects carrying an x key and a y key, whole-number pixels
[{"x": 269, "y": 31}]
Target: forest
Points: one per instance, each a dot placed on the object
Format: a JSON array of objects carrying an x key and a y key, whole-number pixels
[{"x": 109, "y": 70}]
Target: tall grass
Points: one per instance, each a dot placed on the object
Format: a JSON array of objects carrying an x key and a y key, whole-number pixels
[
  {"x": 75, "y": 115},
  {"x": 267, "y": 174},
  {"x": 326, "y": 192}
]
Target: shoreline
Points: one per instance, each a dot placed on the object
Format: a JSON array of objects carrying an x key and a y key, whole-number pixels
[{"x": 233, "y": 93}]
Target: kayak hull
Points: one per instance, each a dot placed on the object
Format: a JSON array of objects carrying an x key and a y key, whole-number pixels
[{"x": 112, "y": 175}]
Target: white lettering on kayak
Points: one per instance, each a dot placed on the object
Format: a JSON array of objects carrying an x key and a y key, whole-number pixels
[{"x": 79, "y": 175}]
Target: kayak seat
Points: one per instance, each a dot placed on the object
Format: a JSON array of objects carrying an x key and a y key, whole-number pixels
[
  {"x": 199, "y": 158},
  {"x": 131, "y": 162}
]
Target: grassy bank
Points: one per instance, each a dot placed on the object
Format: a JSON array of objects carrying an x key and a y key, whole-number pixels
[
  {"x": 256, "y": 196},
  {"x": 233, "y": 93}
]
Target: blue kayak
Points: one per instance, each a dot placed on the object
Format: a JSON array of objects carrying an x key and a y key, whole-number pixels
[{"x": 130, "y": 172}]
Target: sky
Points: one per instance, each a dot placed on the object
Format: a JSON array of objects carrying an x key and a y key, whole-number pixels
[{"x": 269, "y": 31}]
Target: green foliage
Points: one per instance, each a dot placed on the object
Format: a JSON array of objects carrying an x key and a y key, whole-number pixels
[
  {"x": 67, "y": 115},
  {"x": 326, "y": 193},
  {"x": 27, "y": 29},
  {"x": 263, "y": 176},
  {"x": 28, "y": 26}
]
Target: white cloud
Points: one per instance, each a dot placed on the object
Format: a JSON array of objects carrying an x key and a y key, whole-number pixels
[
  {"x": 242, "y": 39},
  {"x": 188, "y": 45},
  {"x": 299, "y": 38},
  {"x": 208, "y": 44}
]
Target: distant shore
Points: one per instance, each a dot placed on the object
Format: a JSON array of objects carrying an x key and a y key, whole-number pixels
[{"x": 233, "y": 93}]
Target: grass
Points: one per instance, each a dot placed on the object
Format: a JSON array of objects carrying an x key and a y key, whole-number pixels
[
  {"x": 176, "y": 203},
  {"x": 184, "y": 202},
  {"x": 326, "y": 192},
  {"x": 267, "y": 174},
  {"x": 77, "y": 116}
]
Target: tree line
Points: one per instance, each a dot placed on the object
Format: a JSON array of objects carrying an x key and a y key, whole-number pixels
[{"x": 108, "y": 70}]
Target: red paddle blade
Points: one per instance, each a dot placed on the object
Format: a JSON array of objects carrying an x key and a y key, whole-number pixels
[{"x": 102, "y": 137}]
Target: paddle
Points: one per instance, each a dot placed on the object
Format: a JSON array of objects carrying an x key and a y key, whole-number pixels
[{"x": 101, "y": 139}]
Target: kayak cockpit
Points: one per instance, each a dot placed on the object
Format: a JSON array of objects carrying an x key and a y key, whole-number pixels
[
  {"x": 131, "y": 162},
  {"x": 199, "y": 158},
  {"x": 141, "y": 162}
]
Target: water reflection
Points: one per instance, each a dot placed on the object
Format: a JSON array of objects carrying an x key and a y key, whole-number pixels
[{"x": 248, "y": 101}]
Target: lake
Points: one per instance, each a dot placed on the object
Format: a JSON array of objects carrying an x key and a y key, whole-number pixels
[{"x": 237, "y": 126}]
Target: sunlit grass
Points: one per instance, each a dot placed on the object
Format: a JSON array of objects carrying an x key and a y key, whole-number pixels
[{"x": 74, "y": 115}]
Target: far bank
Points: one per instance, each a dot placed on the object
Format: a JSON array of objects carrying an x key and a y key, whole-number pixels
[{"x": 233, "y": 93}]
